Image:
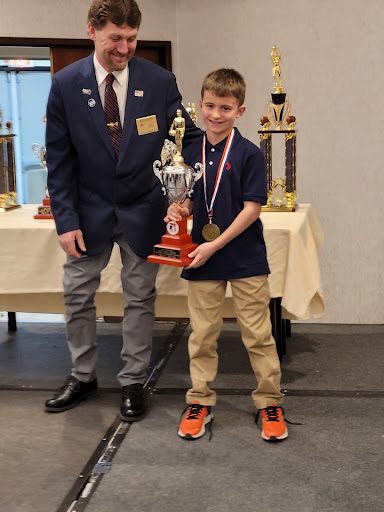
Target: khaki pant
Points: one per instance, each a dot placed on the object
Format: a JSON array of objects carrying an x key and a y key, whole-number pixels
[{"x": 251, "y": 301}]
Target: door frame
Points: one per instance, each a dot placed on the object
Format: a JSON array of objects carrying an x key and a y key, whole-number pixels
[{"x": 163, "y": 48}]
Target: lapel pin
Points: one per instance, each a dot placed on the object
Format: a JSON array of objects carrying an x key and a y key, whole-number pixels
[
  {"x": 91, "y": 102},
  {"x": 86, "y": 91},
  {"x": 138, "y": 93}
]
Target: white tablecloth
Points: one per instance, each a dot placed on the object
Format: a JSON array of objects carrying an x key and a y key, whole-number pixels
[{"x": 31, "y": 268}]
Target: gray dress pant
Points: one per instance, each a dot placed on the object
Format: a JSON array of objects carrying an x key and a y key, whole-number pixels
[{"x": 81, "y": 281}]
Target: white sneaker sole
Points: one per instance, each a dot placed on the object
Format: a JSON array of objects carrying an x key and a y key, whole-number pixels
[{"x": 273, "y": 439}]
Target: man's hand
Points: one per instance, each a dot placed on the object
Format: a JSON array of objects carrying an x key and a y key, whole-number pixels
[{"x": 72, "y": 243}]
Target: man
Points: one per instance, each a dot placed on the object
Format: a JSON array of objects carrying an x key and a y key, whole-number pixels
[{"x": 107, "y": 118}]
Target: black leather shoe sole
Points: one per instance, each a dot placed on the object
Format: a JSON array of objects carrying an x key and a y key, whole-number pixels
[
  {"x": 73, "y": 404},
  {"x": 133, "y": 418}
]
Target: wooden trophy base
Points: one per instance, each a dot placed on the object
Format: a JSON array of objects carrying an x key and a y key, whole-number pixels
[
  {"x": 174, "y": 247},
  {"x": 44, "y": 211},
  {"x": 9, "y": 207}
]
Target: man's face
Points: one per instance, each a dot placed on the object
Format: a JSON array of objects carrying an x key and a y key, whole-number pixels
[{"x": 114, "y": 46}]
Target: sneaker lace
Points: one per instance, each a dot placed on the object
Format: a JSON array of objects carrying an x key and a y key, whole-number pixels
[
  {"x": 193, "y": 411},
  {"x": 272, "y": 415}
]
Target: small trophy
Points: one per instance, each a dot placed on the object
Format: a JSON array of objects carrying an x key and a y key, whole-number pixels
[
  {"x": 279, "y": 120},
  {"x": 8, "y": 194},
  {"x": 191, "y": 109},
  {"x": 178, "y": 180},
  {"x": 44, "y": 210}
]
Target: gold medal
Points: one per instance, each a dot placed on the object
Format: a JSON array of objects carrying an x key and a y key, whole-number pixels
[{"x": 210, "y": 232}]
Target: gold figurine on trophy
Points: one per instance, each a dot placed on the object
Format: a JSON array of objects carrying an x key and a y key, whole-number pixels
[
  {"x": 279, "y": 120},
  {"x": 177, "y": 131}
]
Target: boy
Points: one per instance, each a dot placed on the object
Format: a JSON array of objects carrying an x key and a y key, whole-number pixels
[{"x": 226, "y": 206}]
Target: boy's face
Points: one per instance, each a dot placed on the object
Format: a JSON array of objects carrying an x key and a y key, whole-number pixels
[
  {"x": 219, "y": 115},
  {"x": 114, "y": 46}
]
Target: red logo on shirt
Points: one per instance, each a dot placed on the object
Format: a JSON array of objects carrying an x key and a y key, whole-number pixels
[{"x": 228, "y": 166}]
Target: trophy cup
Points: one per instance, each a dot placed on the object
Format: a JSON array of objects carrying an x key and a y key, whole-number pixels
[
  {"x": 178, "y": 180},
  {"x": 8, "y": 195},
  {"x": 279, "y": 120},
  {"x": 44, "y": 210}
]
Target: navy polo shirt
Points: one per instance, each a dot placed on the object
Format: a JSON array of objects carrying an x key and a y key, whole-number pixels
[{"x": 243, "y": 179}]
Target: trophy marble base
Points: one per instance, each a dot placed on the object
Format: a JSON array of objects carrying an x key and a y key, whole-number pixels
[
  {"x": 174, "y": 248},
  {"x": 44, "y": 211}
]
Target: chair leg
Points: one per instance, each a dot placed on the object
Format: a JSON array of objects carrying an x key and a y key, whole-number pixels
[
  {"x": 277, "y": 326},
  {"x": 288, "y": 331},
  {"x": 12, "y": 327}
]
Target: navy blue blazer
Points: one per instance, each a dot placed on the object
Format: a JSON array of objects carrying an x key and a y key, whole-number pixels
[{"x": 88, "y": 187}]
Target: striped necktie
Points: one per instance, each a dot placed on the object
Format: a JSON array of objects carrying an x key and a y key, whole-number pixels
[{"x": 111, "y": 109}]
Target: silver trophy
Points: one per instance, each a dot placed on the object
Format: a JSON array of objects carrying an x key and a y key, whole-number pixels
[
  {"x": 40, "y": 152},
  {"x": 176, "y": 177},
  {"x": 177, "y": 180},
  {"x": 44, "y": 210}
]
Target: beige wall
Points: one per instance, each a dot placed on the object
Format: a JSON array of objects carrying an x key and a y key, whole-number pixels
[
  {"x": 332, "y": 53},
  {"x": 331, "y": 68},
  {"x": 67, "y": 18}
]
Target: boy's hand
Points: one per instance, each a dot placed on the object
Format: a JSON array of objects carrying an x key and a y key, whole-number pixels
[
  {"x": 176, "y": 212},
  {"x": 201, "y": 254}
]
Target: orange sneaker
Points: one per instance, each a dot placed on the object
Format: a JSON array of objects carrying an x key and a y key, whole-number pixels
[
  {"x": 194, "y": 419},
  {"x": 273, "y": 424}
]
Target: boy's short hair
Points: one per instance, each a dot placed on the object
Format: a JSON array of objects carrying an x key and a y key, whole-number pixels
[
  {"x": 119, "y": 12},
  {"x": 225, "y": 82}
]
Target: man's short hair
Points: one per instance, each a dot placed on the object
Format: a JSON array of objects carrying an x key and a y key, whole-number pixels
[
  {"x": 225, "y": 82},
  {"x": 119, "y": 12}
]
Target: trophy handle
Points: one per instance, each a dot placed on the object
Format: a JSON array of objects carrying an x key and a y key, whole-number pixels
[
  {"x": 196, "y": 172},
  {"x": 157, "y": 169}
]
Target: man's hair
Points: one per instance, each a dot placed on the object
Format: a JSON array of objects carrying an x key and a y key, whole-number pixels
[
  {"x": 225, "y": 82},
  {"x": 119, "y": 12}
]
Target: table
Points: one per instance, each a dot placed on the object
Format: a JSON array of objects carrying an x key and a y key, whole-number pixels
[{"x": 31, "y": 268}]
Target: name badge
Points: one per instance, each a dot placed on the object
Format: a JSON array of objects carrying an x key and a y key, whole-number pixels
[{"x": 146, "y": 125}]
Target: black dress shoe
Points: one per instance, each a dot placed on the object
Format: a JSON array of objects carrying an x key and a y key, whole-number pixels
[
  {"x": 133, "y": 402},
  {"x": 68, "y": 396}
]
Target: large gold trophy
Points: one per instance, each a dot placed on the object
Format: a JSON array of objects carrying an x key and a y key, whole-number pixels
[
  {"x": 8, "y": 194},
  {"x": 177, "y": 179},
  {"x": 279, "y": 122}
]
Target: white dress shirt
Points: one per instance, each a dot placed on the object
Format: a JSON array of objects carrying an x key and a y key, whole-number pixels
[{"x": 120, "y": 85}]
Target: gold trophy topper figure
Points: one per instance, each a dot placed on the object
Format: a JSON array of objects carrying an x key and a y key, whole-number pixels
[
  {"x": 177, "y": 131},
  {"x": 276, "y": 69}
]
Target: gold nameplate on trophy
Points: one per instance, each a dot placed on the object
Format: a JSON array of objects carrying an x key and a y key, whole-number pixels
[
  {"x": 278, "y": 124},
  {"x": 147, "y": 125}
]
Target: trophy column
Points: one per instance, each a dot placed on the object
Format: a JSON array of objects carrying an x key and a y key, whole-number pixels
[
  {"x": 8, "y": 194},
  {"x": 279, "y": 122}
]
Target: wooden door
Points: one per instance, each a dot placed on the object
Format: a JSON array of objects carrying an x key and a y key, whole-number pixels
[{"x": 61, "y": 56}]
